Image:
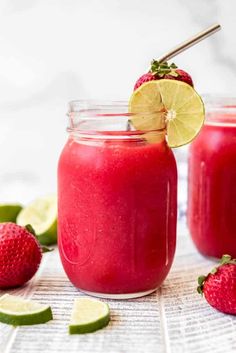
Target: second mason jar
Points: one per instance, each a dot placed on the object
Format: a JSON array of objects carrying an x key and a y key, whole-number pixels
[
  {"x": 212, "y": 181},
  {"x": 117, "y": 203}
]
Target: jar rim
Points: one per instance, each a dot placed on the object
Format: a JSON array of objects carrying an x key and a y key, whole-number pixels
[
  {"x": 92, "y": 105},
  {"x": 101, "y": 117},
  {"x": 98, "y": 108},
  {"x": 220, "y": 102},
  {"x": 220, "y": 110}
]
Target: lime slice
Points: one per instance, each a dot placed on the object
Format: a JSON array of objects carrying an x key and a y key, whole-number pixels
[
  {"x": 171, "y": 104},
  {"x": 88, "y": 315},
  {"x": 17, "y": 311},
  {"x": 9, "y": 212},
  {"x": 41, "y": 214}
]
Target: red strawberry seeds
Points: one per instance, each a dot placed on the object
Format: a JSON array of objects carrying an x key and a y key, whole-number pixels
[
  {"x": 219, "y": 286},
  {"x": 160, "y": 71},
  {"x": 20, "y": 255}
]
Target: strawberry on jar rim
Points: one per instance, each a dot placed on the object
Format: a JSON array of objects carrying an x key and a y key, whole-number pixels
[
  {"x": 163, "y": 70},
  {"x": 219, "y": 286}
]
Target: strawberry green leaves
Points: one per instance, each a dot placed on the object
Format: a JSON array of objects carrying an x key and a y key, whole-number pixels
[
  {"x": 201, "y": 280},
  {"x": 161, "y": 69}
]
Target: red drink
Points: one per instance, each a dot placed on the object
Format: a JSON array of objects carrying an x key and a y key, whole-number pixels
[
  {"x": 212, "y": 184},
  {"x": 117, "y": 211}
]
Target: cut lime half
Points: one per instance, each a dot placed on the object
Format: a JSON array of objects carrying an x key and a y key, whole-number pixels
[
  {"x": 9, "y": 212},
  {"x": 42, "y": 215},
  {"x": 17, "y": 311},
  {"x": 88, "y": 315},
  {"x": 171, "y": 104}
]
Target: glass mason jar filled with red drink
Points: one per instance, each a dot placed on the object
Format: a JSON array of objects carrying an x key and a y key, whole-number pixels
[
  {"x": 116, "y": 203},
  {"x": 212, "y": 181}
]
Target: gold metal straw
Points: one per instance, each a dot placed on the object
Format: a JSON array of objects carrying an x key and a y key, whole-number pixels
[{"x": 190, "y": 42}]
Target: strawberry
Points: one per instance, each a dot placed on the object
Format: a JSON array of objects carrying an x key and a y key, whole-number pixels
[
  {"x": 159, "y": 71},
  {"x": 219, "y": 286},
  {"x": 143, "y": 79},
  {"x": 20, "y": 255}
]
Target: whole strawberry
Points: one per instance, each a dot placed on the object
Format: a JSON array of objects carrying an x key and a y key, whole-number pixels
[
  {"x": 20, "y": 255},
  {"x": 219, "y": 286},
  {"x": 163, "y": 70}
]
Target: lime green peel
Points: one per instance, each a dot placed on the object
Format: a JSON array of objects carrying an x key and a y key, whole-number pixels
[
  {"x": 9, "y": 212},
  {"x": 17, "y": 311},
  {"x": 88, "y": 315}
]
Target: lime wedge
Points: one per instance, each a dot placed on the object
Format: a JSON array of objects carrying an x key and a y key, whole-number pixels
[
  {"x": 41, "y": 214},
  {"x": 171, "y": 104},
  {"x": 88, "y": 315},
  {"x": 9, "y": 212},
  {"x": 17, "y": 311}
]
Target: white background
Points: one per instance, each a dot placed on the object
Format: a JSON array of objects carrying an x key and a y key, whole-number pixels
[{"x": 52, "y": 51}]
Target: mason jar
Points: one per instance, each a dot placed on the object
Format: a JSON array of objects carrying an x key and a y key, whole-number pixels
[
  {"x": 212, "y": 181},
  {"x": 116, "y": 203}
]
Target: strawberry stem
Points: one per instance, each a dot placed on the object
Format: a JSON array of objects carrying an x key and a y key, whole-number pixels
[{"x": 227, "y": 259}]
